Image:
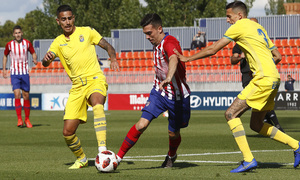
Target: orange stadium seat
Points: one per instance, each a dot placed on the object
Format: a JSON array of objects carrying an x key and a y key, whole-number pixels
[
  {"x": 220, "y": 61},
  {"x": 297, "y": 59},
  {"x": 297, "y": 42},
  {"x": 130, "y": 63},
  {"x": 129, "y": 55},
  {"x": 290, "y": 60},
  {"x": 278, "y": 43},
  {"x": 292, "y": 66},
  {"x": 292, "y": 43},
  {"x": 149, "y": 63},
  {"x": 136, "y": 55},
  {"x": 142, "y": 55},
  {"x": 295, "y": 51},
  {"x": 280, "y": 50},
  {"x": 283, "y": 60},
  {"x": 123, "y": 63},
  {"x": 123, "y": 56},
  {"x": 287, "y": 51},
  {"x": 149, "y": 55},
  {"x": 136, "y": 63},
  {"x": 284, "y": 43},
  {"x": 227, "y": 61},
  {"x": 192, "y": 52},
  {"x": 207, "y": 61},
  {"x": 143, "y": 63},
  {"x": 226, "y": 53},
  {"x": 214, "y": 61},
  {"x": 186, "y": 53}
]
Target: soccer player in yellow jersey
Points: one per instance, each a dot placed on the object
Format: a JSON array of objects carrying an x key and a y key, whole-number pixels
[
  {"x": 262, "y": 55},
  {"x": 76, "y": 51}
]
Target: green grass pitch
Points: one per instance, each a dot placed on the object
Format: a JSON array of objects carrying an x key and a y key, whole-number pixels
[{"x": 207, "y": 150}]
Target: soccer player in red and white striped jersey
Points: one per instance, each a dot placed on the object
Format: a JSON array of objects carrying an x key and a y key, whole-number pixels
[
  {"x": 170, "y": 90},
  {"x": 18, "y": 49}
]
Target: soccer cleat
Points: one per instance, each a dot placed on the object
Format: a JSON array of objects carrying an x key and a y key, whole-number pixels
[
  {"x": 28, "y": 124},
  {"x": 78, "y": 164},
  {"x": 20, "y": 123},
  {"x": 245, "y": 166},
  {"x": 297, "y": 157},
  {"x": 169, "y": 161}
]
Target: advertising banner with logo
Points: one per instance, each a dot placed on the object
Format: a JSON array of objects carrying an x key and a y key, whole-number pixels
[
  {"x": 127, "y": 101},
  {"x": 57, "y": 102},
  {"x": 212, "y": 100},
  {"x": 7, "y": 101},
  {"x": 287, "y": 100}
]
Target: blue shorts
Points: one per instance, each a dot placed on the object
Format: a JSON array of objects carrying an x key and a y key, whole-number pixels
[
  {"x": 179, "y": 111},
  {"x": 20, "y": 82}
]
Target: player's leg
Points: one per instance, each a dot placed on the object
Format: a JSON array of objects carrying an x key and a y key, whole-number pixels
[
  {"x": 16, "y": 87},
  {"x": 75, "y": 114},
  {"x": 268, "y": 130},
  {"x": 97, "y": 101},
  {"x": 272, "y": 119},
  {"x": 26, "y": 108},
  {"x": 151, "y": 110},
  {"x": 134, "y": 134},
  {"x": 18, "y": 106},
  {"x": 232, "y": 114},
  {"x": 25, "y": 86},
  {"x": 179, "y": 116},
  {"x": 73, "y": 142}
]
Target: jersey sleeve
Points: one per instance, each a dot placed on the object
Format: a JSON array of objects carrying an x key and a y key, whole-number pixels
[
  {"x": 30, "y": 47},
  {"x": 232, "y": 33},
  {"x": 54, "y": 48},
  {"x": 170, "y": 45},
  {"x": 95, "y": 37},
  {"x": 6, "y": 51}
]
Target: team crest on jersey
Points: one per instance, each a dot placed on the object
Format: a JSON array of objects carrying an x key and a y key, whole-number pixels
[
  {"x": 24, "y": 46},
  {"x": 81, "y": 38}
]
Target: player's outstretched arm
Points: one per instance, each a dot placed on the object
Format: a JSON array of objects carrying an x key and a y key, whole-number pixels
[
  {"x": 114, "y": 65},
  {"x": 48, "y": 58},
  {"x": 206, "y": 52},
  {"x": 34, "y": 58}
]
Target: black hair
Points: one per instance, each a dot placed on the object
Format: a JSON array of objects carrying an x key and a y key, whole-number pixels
[
  {"x": 63, "y": 8},
  {"x": 238, "y": 5},
  {"x": 152, "y": 19},
  {"x": 17, "y": 27}
]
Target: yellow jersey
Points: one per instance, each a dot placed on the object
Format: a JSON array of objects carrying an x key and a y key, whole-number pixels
[
  {"x": 256, "y": 45},
  {"x": 78, "y": 54}
]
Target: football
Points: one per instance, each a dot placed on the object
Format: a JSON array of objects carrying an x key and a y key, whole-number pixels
[{"x": 106, "y": 161}]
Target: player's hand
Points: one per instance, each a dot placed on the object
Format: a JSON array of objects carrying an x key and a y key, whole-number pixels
[
  {"x": 242, "y": 55},
  {"x": 164, "y": 83},
  {"x": 180, "y": 56},
  {"x": 48, "y": 56},
  {"x": 35, "y": 61},
  {"x": 4, "y": 73},
  {"x": 114, "y": 65}
]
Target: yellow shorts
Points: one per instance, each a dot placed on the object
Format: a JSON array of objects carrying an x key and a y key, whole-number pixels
[
  {"x": 82, "y": 89},
  {"x": 260, "y": 93}
]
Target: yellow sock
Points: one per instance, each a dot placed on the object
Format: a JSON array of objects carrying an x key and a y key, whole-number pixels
[
  {"x": 100, "y": 125},
  {"x": 274, "y": 133},
  {"x": 239, "y": 135},
  {"x": 73, "y": 143}
]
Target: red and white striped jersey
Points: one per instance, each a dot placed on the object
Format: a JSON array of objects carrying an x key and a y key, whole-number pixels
[
  {"x": 18, "y": 53},
  {"x": 178, "y": 87}
]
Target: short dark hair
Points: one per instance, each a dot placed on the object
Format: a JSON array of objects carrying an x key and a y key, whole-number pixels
[
  {"x": 238, "y": 5},
  {"x": 63, "y": 8},
  {"x": 17, "y": 27},
  {"x": 152, "y": 19}
]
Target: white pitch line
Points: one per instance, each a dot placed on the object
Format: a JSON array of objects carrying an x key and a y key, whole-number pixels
[
  {"x": 138, "y": 158},
  {"x": 206, "y": 154}
]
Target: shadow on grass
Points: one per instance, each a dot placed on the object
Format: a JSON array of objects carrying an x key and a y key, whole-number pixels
[
  {"x": 178, "y": 165},
  {"x": 270, "y": 165},
  {"x": 35, "y": 125}
]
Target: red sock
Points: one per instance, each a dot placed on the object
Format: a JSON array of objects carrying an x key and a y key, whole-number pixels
[
  {"x": 173, "y": 146},
  {"x": 27, "y": 108},
  {"x": 130, "y": 139},
  {"x": 18, "y": 108}
]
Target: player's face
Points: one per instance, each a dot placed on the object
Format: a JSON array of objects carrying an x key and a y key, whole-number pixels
[
  {"x": 18, "y": 34},
  {"x": 66, "y": 21},
  {"x": 232, "y": 17},
  {"x": 153, "y": 34}
]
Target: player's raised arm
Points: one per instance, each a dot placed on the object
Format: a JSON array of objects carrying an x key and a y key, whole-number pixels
[
  {"x": 48, "y": 58},
  {"x": 114, "y": 65}
]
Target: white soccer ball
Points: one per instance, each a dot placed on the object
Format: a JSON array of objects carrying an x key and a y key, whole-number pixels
[{"x": 106, "y": 161}]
